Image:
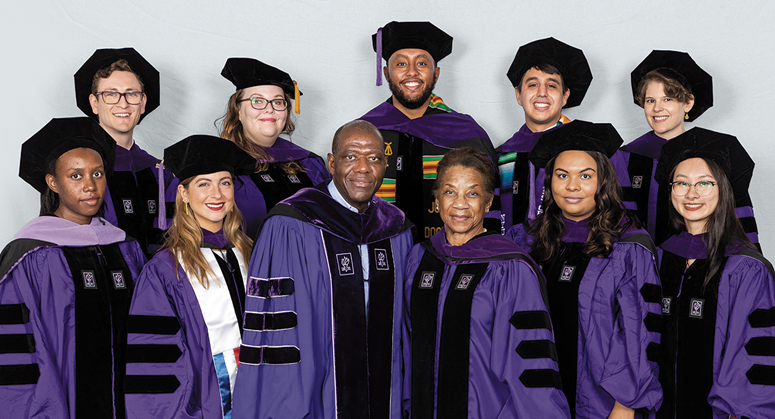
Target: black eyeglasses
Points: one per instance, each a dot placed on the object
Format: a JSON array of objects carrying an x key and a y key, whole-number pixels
[
  {"x": 111, "y": 97},
  {"x": 259, "y": 103},
  {"x": 703, "y": 187}
]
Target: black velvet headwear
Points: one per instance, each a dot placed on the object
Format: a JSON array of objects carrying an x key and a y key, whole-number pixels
[
  {"x": 249, "y": 72},
  {"x": 680, "y": 67},
  {"x": 58, "y": 137},
  {"x": 569, "y": 61},
  {"x": 203, "y": 154},
  {"x": 724, "y": 149},
  {"x": 575, "y": 135},
  {"x": 103, "y": 58},
  {"x": 421, "y": 35}
]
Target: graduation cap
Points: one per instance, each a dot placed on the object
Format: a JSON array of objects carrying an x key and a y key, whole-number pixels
[
  {"x": 103, "y": 58},
  {"x": 249, "y": 72},
  {"x": 575, "y": 135},
  {"x": 401, "y": 35},
  {"x": 203, "y": 154},
  {"x": 569, "y": 61},
  {"x": 724, "y": 149},
  {"x": 58, "y": 137},
  {"x": 680, "y": 67}
]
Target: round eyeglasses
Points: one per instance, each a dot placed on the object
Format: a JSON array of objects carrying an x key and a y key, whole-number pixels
[
  {"x": 111, "y": 97},
  {"x": 259, "y": 103},
  {"x": 703, "y": 187}
]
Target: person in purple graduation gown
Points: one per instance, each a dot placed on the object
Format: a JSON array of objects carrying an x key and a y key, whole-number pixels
[
  {"x": 185, "y": 322},
  {"x": 324, "y": 302},
  {"x": 256, "y": 114},
  {"x": 718, "y": 290},
  {"x": 672, "y": 89},
  {"x": 66, "y": 283},
  {"x": 118, "y": 88},
  {"x": 548, "y": 76},
  {"x": 418, "y": 128},
  {"x": 477, "y": 337},
  {"x": 601, "y": 275}
]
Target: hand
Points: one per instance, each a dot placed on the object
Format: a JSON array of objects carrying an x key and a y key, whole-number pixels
[{"x": 621, "y": 412}]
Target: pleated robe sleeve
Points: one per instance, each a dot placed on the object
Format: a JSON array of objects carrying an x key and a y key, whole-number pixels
[{"x": 744, "y": 348}]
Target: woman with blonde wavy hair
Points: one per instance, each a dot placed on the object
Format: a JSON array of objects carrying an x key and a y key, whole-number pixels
[
  {"x": 257, "y": 113},
  {"x": 185, "y": 326}
]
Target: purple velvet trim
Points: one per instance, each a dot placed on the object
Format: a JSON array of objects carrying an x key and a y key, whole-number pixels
[
  {"x": 217, "y": 238},
  {"x": 162, "y": 199},
  {"x": 484, "y": 248},
  {"x": 648, "y": 144},
  {"x": 575, "y": 231},
  {"x": 441, "y": 130},
  {"x": 67, "y": 233},
  {"x": 379, "y": 57},
  {"x": 380, "y": 221},
  {"x": 133, "y": 160},
  {"x": 523, "y": 140},
  {"x": 743, "y": 212},
  {"x": 686, "y": 245},
  {"x": 283, "y": 150}
]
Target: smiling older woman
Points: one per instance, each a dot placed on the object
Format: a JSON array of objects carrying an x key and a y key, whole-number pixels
[
  {"x": 477, "y": 338},
  {"x": 600, "y": 271},
  {"x": 719, "y": 293}
]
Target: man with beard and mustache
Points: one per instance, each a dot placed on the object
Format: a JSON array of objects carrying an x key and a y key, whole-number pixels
[{"x": 416, "y": 125}]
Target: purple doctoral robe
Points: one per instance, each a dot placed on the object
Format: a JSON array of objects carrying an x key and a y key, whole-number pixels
[
  {"x": 522, "y": 184},
  {"x": 257, "y": 193},
  {"x": 641, "y": 157},
  {"x": 615, "y": 328},
  {"x": 719, "y": 341},
  {"x": 64, "y": 298},
  {"x": 414, "y": 147},
  {"x": 178, "y": 376},
  {"x": 309, "y": 349},
  {"x": 477, "y": 337},
  {"x": 132, "y": 198}
]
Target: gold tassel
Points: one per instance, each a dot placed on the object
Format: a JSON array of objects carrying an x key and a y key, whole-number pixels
[{"x": 296, "y": 94}]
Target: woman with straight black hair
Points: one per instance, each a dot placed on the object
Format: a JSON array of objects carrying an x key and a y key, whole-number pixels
[
  {"x": 718, "y": 290},
  {"x": 600, "y": 270}
]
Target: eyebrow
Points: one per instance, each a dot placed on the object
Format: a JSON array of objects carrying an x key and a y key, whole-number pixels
[
  {"x": 422, "y": 55},
  {"x": 547, "y": 79},
  {"x": 82, "y": 168},
  {"x": 264, "y": 97},
  {"x": 700, "y": 176}
]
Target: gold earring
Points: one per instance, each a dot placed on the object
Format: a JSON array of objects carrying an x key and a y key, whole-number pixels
[
  {"x": 185, "y": 202},
  {"x": 686, "y": 116}
]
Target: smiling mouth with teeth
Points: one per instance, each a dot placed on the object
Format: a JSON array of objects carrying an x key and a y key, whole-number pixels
[
  {"x": 215, "y": 207},
  {"x": 121, "y": 115}
]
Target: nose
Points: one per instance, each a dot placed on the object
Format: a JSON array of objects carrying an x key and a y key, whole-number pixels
[
  {"x": 89, "y": 184},
  {"x": 542, "y": 89},
  {"x": 573, "y": 184},
  {"x": 657, "y": 106},
  {"x": 692, "y": 193},
  {"x": 216, "y": 193},
  {"x": 362, "y": 165}
]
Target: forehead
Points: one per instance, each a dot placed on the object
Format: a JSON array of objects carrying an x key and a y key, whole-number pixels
[
  {"x": 411, "y": 53},
  {"x": 694, "y": 167},
  {"x": 119, "y": 80},
  {"x": 462, "y": 176},
  {"x": 360, "y": 140},
  {"x": 575, "y": 159},
  {"x": 216, "y": 175},
  {"x": 534, "y": 73},
  {"x": 267, "y": 91},
  {"x": 80, "y": 157},
  {"x": 655, "y": 88}
]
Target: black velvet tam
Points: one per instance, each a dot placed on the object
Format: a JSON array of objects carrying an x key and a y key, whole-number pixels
[
  {"x": 57, "y": 137},
  {"x": 682, "y": 68},
  {"x": 103, "y": 58},
  {"x": 203, "y": 154},
  {"x": 569, "y": 61},
  {"x": 575, "y": 135},
  {"x": 420, "y": 35},
  {"x": 249, "y": 72},
  {"x": 724, "y": 149}
]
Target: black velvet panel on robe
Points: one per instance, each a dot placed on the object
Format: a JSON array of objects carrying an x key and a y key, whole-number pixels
[
  {"x": 276, "y": 185},
  {"x": 135, "y": 199}
]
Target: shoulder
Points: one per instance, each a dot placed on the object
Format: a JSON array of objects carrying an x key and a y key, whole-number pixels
[
  {"x": 749, "y": 260},
  {"x": 638, "y": 238}
]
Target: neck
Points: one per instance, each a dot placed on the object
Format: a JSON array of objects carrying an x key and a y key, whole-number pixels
[
  {"x": 411, "y": 113},
  {"x": 459, "y": 239},
  {"x": 123, "y": 139},
  {"x": 75, "y": 218},
  {"x": 265, "y": 142},
  {"x": 540, "y": 127},
  {"x": 695, "y": 228},
  {"x": 670, "y": 135}
]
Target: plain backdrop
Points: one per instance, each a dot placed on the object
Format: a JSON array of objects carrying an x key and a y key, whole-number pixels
[{"x": 325, "y": 45}]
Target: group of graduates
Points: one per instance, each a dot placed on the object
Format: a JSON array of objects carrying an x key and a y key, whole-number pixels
[{"x": 416, "y": 272}]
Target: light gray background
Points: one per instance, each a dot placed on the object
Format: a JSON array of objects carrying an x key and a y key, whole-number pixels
[{"x": 326, "y": 47}]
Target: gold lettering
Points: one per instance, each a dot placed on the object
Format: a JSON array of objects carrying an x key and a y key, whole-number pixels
[
  {"x": 434, "y": 208},
  {"x": 429, "y": 231}
]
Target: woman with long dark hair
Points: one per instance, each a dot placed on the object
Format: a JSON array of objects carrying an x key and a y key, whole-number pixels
[
  {"x": 186, "y": 318},
  {"x": 66, "y": 283},
  {"x": 718, "y": 290},
  {"x": 257, "y": 113},
  {"x": 672, "y": 90},
  {"x": 600, "y": 270}
]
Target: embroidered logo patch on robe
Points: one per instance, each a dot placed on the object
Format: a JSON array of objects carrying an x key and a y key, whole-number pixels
[
  {"x": 427, "y": 280},
  {"x": 382, "y": 259},
  {"x": 567, "y": 273},
  {"x": 464, "y": 282},
  {"x": 294, "y": 179},
  {"x": 695, "y": 308},
  {"x": 637, "y": 181},
  {"x": 128, "y": 208},
  {"x": 151, "y": 206},
  {"x": 118, "y": 280},
  {"x": 88, "y": 280},
  {"x": 515, "y": 187},
  {"x": 666, "y": 303},
  {"x": 344, "y": 262},
  {"x": 267, "y": 178},
  {"x": 399, "y": 161}
]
